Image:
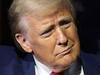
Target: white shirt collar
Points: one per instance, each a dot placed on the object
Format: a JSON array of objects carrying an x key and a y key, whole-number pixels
[
  {"x": 82, "y": 72},
  {"x": 41, "y": 69}
]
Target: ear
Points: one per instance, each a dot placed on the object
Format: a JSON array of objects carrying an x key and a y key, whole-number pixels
[{"x": 24, "y": 43}]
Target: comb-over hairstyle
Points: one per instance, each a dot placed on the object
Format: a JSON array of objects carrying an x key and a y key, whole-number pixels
[{"x": 35, "y": 7}]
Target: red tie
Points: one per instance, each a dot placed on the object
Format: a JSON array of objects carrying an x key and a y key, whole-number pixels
[{"x": 54, "y": 73}]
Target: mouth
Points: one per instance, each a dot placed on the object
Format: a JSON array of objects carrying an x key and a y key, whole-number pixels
[{"x": 65, "y": 51}]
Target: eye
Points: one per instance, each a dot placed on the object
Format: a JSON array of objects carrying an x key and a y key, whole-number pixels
[
  {"x": 65, "y": 23},
  {"x": 47, "y": 32}
]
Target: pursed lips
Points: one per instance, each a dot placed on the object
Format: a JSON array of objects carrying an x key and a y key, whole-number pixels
[{"x": 67, "y": 50}]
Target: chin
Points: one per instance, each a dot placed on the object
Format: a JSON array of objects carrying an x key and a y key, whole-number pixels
[
  {"x": 64, "y": 66},
  {"x": 60, "y": 69}
]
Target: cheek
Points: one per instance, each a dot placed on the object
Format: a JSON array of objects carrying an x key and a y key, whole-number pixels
[
  {"x": 46, "y": 45},
  {"x": 72, "y": 33},
  {"x": 76, "y": 50},
  {"x": 43, "y": 50}
]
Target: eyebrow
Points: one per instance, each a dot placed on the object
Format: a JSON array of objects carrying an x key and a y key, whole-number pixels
[
  {"x": 65, "y": 20},
  {"x": 47, "y": 29}
]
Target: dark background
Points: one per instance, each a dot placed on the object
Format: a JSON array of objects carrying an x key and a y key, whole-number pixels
[{"x": 88, "y": 16}]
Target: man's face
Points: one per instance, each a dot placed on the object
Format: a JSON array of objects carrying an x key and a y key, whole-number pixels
[{"x": 53, "y": 39}]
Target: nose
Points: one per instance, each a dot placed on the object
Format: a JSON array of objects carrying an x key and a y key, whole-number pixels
[{"x": 61, "y": 37}]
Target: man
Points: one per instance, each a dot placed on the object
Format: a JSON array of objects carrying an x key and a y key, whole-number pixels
[{"x": 45, "y": 29}]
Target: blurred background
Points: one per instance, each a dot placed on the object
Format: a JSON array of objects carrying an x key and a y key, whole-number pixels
[{"x": 88, "y": 16}]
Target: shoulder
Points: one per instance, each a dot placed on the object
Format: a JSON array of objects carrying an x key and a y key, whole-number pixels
[
  {"x": 90, "y": 58},
  {"x": 91, "y": 63},
  {"x": 14, "y": 63},
  {"x": 10, "y": 54},
  {"x": 7, "y": 54}
]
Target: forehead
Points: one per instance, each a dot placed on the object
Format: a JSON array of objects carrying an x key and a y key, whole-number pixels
[
  {"x": 49, "y": 17},
  {"x": 38, "y": 23}
]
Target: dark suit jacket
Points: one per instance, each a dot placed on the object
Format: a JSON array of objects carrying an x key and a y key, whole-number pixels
[{"x": 14, "y": 63}]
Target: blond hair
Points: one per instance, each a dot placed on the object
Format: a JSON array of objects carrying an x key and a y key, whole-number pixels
[{"x": 22, "y": 7}]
